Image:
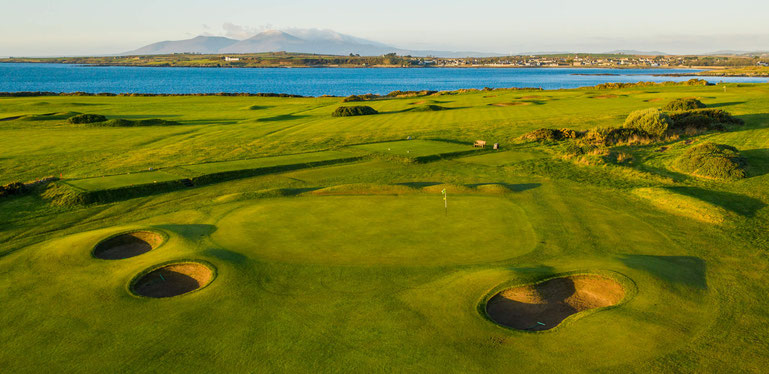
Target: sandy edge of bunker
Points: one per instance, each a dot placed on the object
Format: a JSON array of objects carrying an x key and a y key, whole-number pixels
[
  {"x": 152, "y": 238},
  {"x": 135, "y": 281},
  {"x": 629, "y": 286}
]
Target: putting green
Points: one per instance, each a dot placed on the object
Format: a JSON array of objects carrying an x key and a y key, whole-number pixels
[{"x": 379, "y": 230}]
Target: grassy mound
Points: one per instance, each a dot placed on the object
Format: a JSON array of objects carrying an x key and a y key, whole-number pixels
[
  {"x": 173, "y": 280},
  {"x": 121, "y": 122},
  {"x": 683, "y": 104},
  {"x": 545, "y": 305},
  {"x": 703, "y": 119},
  {"x": 128, "y": 245},
  {"x": 653, "y": 121},
  {"x": 682, "y": 205},
  {"x": 81, "y": 119},
  {"x": 711, "y": 160},
  {"x": 349, "y": 111}
]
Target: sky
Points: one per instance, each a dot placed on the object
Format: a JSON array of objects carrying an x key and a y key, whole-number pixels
[{"x": 92, "y": 27}]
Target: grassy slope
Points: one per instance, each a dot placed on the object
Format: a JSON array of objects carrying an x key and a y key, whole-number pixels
[{"x": 700, "y": 304}]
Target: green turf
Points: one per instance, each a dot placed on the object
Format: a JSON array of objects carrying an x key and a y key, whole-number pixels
[
  {"x": 267, "y": 162},
  {"x": 356, "y": 267},
  {"x": 414, "y": 148}
]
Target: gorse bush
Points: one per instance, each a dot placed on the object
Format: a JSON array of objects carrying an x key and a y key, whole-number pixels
[
  {"x": 613, "y": 136},
  {"x": 348, "y": 111},
  {"x": 551, "y": 135},
  {"x": 652, "y": 121},
  {"x": 86, "y": 118},
  {"x": 14, "y": 188},
  {"x": 711, "y": 160},
  {"x": 703, "y": 119},
  {"x": 684, "y": 104}
]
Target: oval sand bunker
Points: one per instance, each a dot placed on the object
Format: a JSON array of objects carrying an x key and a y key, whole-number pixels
[
  {"x": 173, "y": 280},
  {"x": 544, "y": 305},
  {"x": 128, "y": 245}
]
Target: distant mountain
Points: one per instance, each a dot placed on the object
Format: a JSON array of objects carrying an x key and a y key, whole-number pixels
[
  {"x": 294, "y": 40},
  {"x": 739, "y": 53},
  {"x": 199, "y": 44}
]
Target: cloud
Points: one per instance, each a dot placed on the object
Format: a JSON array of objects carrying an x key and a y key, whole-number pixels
[{"x": 234, "y": 31}]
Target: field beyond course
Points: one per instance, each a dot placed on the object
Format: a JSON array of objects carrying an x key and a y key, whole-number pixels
[{"x": 261, "y": 234}]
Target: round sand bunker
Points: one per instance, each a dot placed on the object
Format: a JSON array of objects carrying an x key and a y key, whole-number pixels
[
  {"x": 173, "y": 279},
  {"x": 544, "y": 305},
  {"x": 128, "y": 245}
]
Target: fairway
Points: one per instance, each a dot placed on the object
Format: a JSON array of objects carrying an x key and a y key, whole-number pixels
[
  {"x": 379, "y": 230},
  {"x": 415, "y": 148},
  {"x": 264, "y": 235}
]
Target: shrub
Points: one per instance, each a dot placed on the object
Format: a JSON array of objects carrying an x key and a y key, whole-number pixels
[
  {"x": 551, "y": 135},
  {"x": 684, "y": 104},
  {"x": 613, "y": 135},
  {"x": 652, "y": 121},
  {"x": 348, "y": 111},
  {"x": 711, "y": 160},
  {"x": 703, "y": 119},
  {"x": 14, "y": 188},
  {"x": 86, "y": 118}
]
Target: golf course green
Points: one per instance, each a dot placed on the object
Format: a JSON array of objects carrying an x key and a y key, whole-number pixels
[{"x": 262, "y": 234}]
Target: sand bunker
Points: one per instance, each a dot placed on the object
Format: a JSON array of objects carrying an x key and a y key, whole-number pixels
[
  {"x": 128, "y": 245},
  {"x": 173, "y": 280},
  {"x": 610, "y": 96},
  {"x": 544, "y": 305}
]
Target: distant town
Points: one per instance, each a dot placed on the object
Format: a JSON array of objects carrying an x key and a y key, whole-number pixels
[{"x": 717, "y": 65}]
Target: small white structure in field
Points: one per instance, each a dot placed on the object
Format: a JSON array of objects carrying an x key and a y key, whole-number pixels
[{"x": 231, "y": 59}]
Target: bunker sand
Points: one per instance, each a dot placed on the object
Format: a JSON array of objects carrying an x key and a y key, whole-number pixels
[
  {"x": 545, "y": 305},
  {"x": 127, "y": 245},
  {"x": 173, "y": 280}
]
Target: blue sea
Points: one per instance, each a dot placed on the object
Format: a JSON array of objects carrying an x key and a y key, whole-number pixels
[{"x": 312, "y": 81}]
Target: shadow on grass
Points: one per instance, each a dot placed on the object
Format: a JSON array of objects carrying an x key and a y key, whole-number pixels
[
  {"x": 144, "y": 116},
  {"x": 258, "y": 107},
  {"x": 513, "y": 187},
  {"x": 190, "y": 231},
  {"x": 418, "y": 184},
  {"x": 758, "y": 161},
  {"x": 685, "y": 270},
  {"x": 741, "y": 204},
  {"x": 282, "y": 117},
  {"x": 209, "y": 122},
  {"x": 226, "y": 255},
  {"x": 752, "y": 120},
  {"x": 730, "y": 103}
]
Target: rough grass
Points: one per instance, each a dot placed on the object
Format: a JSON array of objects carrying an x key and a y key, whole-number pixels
[
  {"x": 711, "y": 160},
  {"x": 350, "y": 111}
]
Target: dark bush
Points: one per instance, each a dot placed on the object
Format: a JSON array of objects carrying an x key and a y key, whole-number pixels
[
  {"x": 684, "y": 104},
  {"x": 551, "y": 135},
  {"x": 652, "y": 121},
  {"x": 704, "y": 119},
  {"x": 613, "y": 135},
  {"x": 14, "y": 188},
  {"x": 711, "y": 160},
  {"x": 86, "y": 118},
  {"x": 348, "y": 111}
]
